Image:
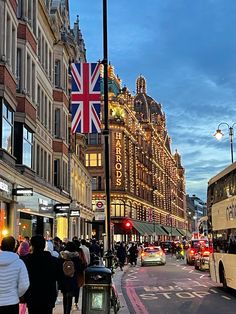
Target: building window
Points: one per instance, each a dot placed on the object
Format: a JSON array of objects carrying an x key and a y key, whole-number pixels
[
  {"x": 57, "y": 125},
  {"x": 7, "y": 127},
  {"x": 18, "y": 69},
  {"x": 57, "y": 172},
  {"x": 93, "y": 160},
  {"x": 49, "y": 168},
  {"x": 94, "y": 139},
  {"x": 58, "y": 73},
  {"x": 118, "y": 209},
  {"x": 38, "y": 160},
  {"x": 27, "y": 147},
  {"x": 96, "y": 183}
]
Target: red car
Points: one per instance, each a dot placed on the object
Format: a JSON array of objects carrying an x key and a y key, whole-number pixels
[
  {"x": 201, "y": 261},
  {"x": 193, "y": 249}
]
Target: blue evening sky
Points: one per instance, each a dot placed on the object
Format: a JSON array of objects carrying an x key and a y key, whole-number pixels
[{"x": 186, "y": 50}]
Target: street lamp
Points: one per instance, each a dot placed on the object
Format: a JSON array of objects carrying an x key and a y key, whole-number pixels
[{"x": 218, "y": 135}]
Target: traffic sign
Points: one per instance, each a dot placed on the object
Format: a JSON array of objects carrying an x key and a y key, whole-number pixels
[{"x": 100, "y": 204}]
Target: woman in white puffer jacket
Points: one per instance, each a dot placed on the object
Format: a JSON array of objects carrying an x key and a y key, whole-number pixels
[{"x": 14, "y": 279}]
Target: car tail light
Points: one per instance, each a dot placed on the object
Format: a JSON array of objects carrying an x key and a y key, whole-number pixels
[
  {"x": 192, "y": 252},
  {"x": 206, "y": 253}
]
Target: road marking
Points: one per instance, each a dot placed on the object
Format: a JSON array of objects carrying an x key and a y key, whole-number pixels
[
  {"x": 190, "y": 271},
  {"x": 227, "y": 298},
  {"x": 202, "y": 276},
  {"x": 189, "y": 278},
  {"x": 184, "y": 267},
  {"x": 213, "y": 290}
]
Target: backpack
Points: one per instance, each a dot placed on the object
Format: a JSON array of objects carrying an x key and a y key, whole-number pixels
[{"x": 68, "y": 268}]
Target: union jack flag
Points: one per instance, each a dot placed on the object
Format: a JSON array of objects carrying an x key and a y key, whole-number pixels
[{"x": 85, "y": 98}]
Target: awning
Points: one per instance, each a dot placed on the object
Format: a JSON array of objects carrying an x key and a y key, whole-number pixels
[
  {"x": 138, "y": 225},
  {"x": 185, "y": 233},
  {"x": 172, "y": 231},
  {"x": 181, "y": 231},
  {"x": 145, "y": 228}
]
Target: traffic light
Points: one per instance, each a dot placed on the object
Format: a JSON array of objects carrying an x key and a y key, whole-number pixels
[{"x": 127, "y": 224}]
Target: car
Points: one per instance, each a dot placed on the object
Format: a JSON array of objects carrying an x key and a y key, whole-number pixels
[
  {"x": 201, "y": 260},
  {"x": 193, "y": 249},
  {"x": 166, "y": 246},
  {"x": 153, "y": 255}
]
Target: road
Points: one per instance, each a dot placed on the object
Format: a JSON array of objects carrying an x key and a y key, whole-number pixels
[{"x": 175, "y": 288}]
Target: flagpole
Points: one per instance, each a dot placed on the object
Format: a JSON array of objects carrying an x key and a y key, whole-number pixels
[{"x": 106, "y": 138}]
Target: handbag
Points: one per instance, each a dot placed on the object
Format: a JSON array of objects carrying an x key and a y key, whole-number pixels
[{"x": 81, "y": 279}]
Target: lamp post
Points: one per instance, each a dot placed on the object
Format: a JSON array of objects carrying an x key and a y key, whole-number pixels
[{"x": 218, "y": 135}]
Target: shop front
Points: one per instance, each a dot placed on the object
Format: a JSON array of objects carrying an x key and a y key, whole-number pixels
[
  {"x": 35, "y": 215},
  {"x": 5, "y": 200}
]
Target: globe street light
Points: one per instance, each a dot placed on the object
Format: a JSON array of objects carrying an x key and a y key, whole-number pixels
[{"x": 218, "y": 135}]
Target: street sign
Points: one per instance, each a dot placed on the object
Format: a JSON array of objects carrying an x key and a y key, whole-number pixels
[{"x": 100, "y": 206}]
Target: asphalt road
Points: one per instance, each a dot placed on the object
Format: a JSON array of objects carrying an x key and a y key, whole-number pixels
[{"x": 175, "y": 288}]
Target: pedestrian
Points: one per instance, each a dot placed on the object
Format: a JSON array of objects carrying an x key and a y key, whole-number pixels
[
  {"x": 121, "y": 255},
  {"x": 94, "y": 252},
  {"x": 57, "y": 244},
  {"x": 23, "y": 250},
  {"x": 80, "y": 275},
  {"x": 71, "y": 267},
  {"x": 49, "y": 247},
  {"x": 14, "y": 280},
  {"x": 133, "y": 254},
  {"x": 44, "y": 272},
  {"x": 85, "y": 250}
]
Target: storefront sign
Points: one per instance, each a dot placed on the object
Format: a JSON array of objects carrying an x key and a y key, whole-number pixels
[
  {"x": 58, "y": 208},
  {"x": 75, "y": 213},
  {"x": 118, "y": 162},
  {"x": 22, "y": 192}
]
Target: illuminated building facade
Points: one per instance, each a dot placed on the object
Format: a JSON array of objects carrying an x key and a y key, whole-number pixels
[
  {"x": 37, "y": 46},
  {"x": 147, "y": 180}
]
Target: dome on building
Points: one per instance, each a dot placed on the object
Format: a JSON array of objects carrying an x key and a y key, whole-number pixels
[{"x": 145, "y": 105}]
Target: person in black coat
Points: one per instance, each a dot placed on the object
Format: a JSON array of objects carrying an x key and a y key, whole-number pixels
[
  {"x": 44, "y": 271},
  {"x": 121, "y": 255},
  {"x": 70, "y": 287}
]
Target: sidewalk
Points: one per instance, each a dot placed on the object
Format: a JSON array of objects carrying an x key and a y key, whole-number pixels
[{"x": 117, "y": 277}]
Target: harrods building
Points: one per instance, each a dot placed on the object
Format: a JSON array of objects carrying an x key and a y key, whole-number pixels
[{"x": 147, "y": 179}]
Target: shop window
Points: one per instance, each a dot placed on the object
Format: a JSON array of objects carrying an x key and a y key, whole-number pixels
[
  {"x": 7, "y": 127},
  {"x": 3, "y": 220},
  {"x": 27, "y": 147}
]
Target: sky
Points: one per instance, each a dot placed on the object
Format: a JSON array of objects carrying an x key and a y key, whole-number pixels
[{"x": 186, "y": 50}]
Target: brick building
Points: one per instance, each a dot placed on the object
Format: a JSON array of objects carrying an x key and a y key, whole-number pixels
[{"x": 36, "y": 151}]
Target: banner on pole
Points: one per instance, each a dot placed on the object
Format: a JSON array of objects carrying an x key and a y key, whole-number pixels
[{"x": 86, "y": 98}]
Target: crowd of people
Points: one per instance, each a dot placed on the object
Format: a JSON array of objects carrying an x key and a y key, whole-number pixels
[{"x": 33, "y": 271}]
